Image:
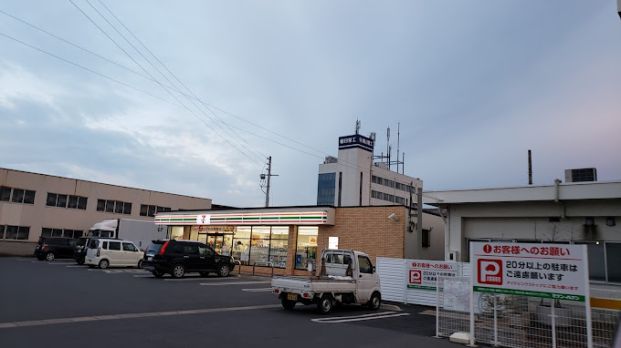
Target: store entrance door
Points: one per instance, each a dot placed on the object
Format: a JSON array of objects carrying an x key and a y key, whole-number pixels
[{"x": 221, "y": 243}]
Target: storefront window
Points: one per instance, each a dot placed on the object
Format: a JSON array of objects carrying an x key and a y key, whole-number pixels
[
  {"x": 227, "y": 243},
  {"x": 306, "y": 250},
  {"x": 260, "y": 245},
  {"x": 279, "y": 245},
  {"x": 241, "y": 244},
  {"x": 176, "y": 232}
]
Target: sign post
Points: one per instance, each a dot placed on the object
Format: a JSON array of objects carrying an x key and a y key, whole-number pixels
[{"x": 549, "y": 271}]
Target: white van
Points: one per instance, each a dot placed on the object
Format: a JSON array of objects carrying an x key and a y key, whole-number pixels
[{"x": 113, "y": 252}]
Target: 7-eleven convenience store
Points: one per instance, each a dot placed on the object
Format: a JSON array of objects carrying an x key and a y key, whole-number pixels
[{"x": 285, "y": 240}]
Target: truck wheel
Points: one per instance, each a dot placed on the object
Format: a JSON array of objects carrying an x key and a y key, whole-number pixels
[
  {"x": 178, "y": 271},
  {"x": 288, "y": 305},
  {"x": 224, "y": 271},
  {"x": 375, "y": 302},
  {"x": 103, "y": 264},
  {"x": 324, "y": 306}
]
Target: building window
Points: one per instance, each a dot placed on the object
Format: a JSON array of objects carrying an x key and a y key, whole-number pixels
[
  {"x": 279, "y": 245},
  {"x": 73, "y": 202},
  {"x": 19, "y": 195},
  {"x": 241, "y": 244},
  {"x": 65, "y": 201},
  {"x": 151, "y": 210},
  {"x": 259, "y": 245},
  {"x": 119, "y": 207},
  {"x": 326, "y": 188},
  {"x": 5, "y": 193},
  {"x": 51, "y": 199},
  {"x": 14, "y": 232},
  {"x": 82, "y": 201},
  {"x": 426, "y": 242},
  {"x": 61, "y": 232},
  {"x": 127, "y": 208},
  {"x": 101, "y": 205},
  {"x": 306, "y": 248},
  {"x": 109, "y": 206},
  {"x": 112, "y": 206}
]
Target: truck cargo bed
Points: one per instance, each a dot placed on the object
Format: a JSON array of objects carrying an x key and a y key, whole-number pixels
[{"x": 315, "y": 284}]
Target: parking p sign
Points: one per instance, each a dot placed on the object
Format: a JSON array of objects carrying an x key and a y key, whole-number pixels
[{"x": 556, "y": 271}]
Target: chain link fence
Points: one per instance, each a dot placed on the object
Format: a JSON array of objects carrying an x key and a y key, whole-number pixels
[{"x": 519, "y": 321}]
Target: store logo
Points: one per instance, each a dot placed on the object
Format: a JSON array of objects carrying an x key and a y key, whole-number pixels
[
  {"x": 416, "y": 277},
  {"x": 487, "y": 248},
  {"x": 490, "y": 271},
  {"x": 204, "y": 219}
]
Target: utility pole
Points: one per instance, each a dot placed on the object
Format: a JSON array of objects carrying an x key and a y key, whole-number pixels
[{"x": 268, "y": 177}]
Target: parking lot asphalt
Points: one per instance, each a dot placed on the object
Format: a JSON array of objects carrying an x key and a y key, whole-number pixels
[{"x": 61, "y": 304}]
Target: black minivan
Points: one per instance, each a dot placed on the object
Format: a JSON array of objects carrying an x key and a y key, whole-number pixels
[
  {"x": 50, "y": 248},
  {"x": 177, "y": 257}
]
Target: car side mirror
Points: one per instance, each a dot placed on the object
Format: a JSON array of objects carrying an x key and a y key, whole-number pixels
[{"x": 374, "y": 269}]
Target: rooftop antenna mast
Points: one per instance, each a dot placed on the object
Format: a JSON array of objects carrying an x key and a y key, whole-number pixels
[
  {"x": 398, "y": 133},
  {"x": 388, "y": 150},
  {"x": 357, "y": 126}
]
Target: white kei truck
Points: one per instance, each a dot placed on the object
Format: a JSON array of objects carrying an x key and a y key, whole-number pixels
[{"x": 346, "y": 276}]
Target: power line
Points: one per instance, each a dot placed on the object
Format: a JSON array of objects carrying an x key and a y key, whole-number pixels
[
  {"x": 207, "y": 105},
  {"x": 215, "y": 118},
  {"x": 155, "y": 79},
  {"x": 82, "y": 67}
]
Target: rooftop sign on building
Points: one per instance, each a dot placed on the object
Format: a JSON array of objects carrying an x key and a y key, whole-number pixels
[{"x": 356, "y": 140}]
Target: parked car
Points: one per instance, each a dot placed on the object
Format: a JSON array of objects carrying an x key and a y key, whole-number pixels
[
  {"x": 177, "y": 257},
  {"x": 105, "y": 253},
  {"x": 50, "y": 248}
]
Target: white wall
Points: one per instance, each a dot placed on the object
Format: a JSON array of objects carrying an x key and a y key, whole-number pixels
[{"x": 528, "y": 221}]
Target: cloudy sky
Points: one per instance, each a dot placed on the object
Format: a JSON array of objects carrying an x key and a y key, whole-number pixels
[{"x": 474, "y": 85}]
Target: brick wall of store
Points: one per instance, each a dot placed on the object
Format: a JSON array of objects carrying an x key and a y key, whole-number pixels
[{"x": 367, "y": 229}]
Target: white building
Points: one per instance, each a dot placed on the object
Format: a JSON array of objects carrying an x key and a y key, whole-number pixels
[
  {"x": 354, "y": 179},
  {"x": 578, "y": 212}
]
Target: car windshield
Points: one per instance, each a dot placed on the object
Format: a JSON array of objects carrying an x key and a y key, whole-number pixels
[{"x": 154, "y": 248}]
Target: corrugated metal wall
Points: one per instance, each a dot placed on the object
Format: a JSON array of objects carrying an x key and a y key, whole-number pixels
[{"x": 394, "y": 275}]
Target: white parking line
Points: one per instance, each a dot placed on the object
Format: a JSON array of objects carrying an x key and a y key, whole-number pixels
[
  {"x": 143, "y": 276},
  {"x": 234, "y": 283},
  {"x": 194, "y": 278},
  {"x": 258, "y": 290},
  {"x": 16, "y": 324},
  {"x": 184, "y": 279},
  {"x": 60, "y": 263},
  {"x": 76, "y": 266},
  {"x": 120, "y": 271},
  {"x": 363, "y": 317}
]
